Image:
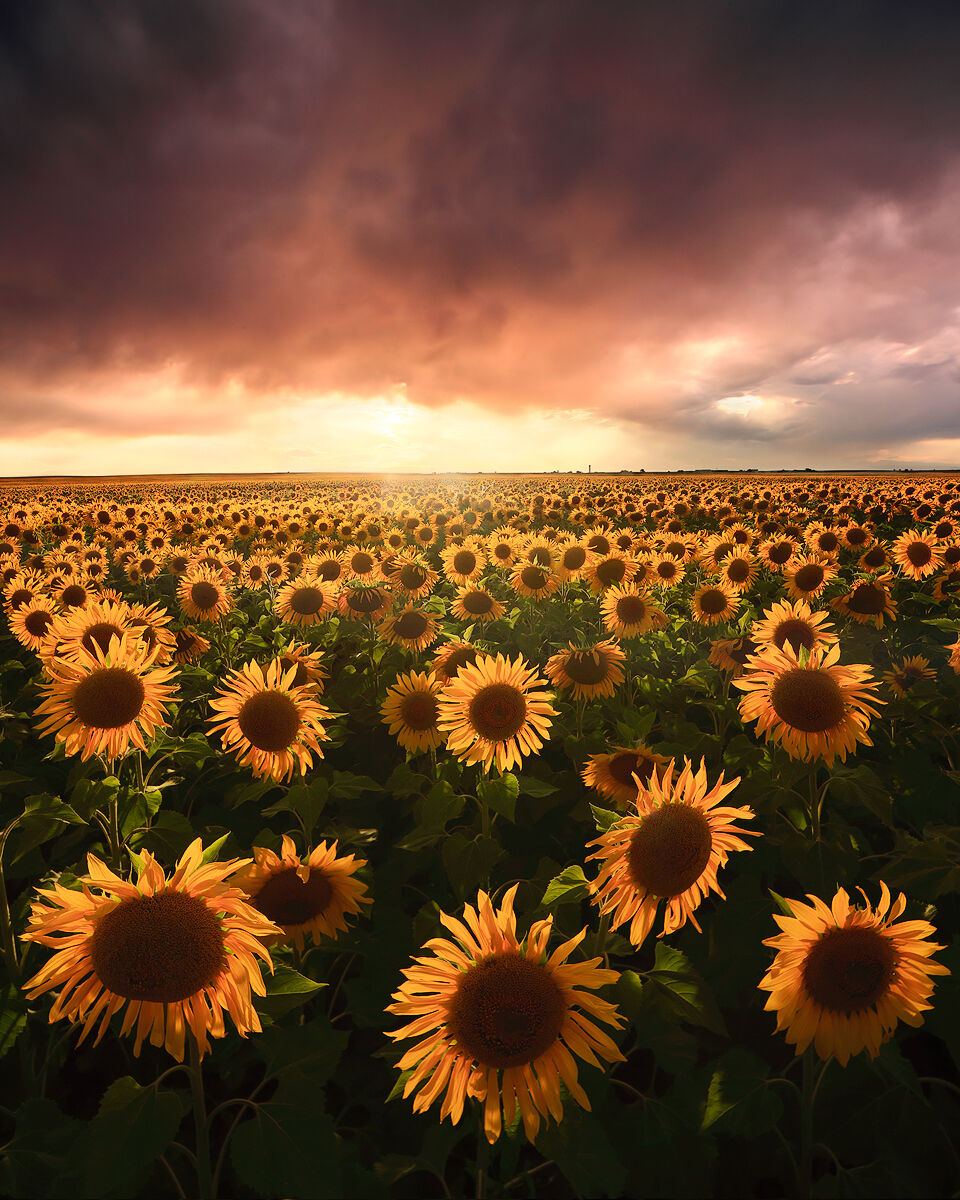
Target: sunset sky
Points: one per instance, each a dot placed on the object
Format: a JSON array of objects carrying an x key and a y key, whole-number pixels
[{"x": 270, "y": 235}]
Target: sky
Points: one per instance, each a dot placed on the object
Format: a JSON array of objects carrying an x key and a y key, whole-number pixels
[{"x": 339, "y": 235}]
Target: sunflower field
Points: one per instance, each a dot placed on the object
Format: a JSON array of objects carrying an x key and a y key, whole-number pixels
[{"x": 520, "y": 836}]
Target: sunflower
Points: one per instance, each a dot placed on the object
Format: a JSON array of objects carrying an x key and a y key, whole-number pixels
[
  {"x": 269, "y": 723},
  {"x": 823, "y": 540},
  {"x": 328, "y": 567},
  {"x": 916, "y": 554},
  {"x": 203, "y": 594},
  {"x": 713, "y": 603},
  {"x": 907, "y": 674},
  {"x": 476, "y": 604},
  {"x": 412, "y": 712},
  {"x": 83, "y": 629},
  {"x": 629, "y": 611},
  {"x": 189, "y": 645},
  {"x": 777, "y": 553},
  {"x": 814, "y": 707},
  {"x": 667, "y": 571},
  {"x": 954, "y": 659},
  {"x": 574, "y": 559},
  {"x": 177, "y": 952},
  {"x": 31, "y": 622},
  {"x": 359, "y": 601},
  {"x": 532, "y": 581},
  {"x": 413, "y": 576},
  {"x": 254, "y": 573},
  {"x": 501, "y": 547},
  {"x": 303, "y": 896},
  {"x": 99, "y": 702},
  {"x": 494, "y": 712},
  {"x": 876, "y": 559},
  {"x": 463, "y": 563},
  {"x": 612, "y": 774},
  {"x": 451, "y": 657},
  {"x": 305, "y": 603},
  {"x": 540, "y": 551},
  {"x": 491, "y": 1003},
  {"x": 947, "y": 585},
  {"x": 151, "y": 622},
  {"x": 796, "y": 623},
  {"x": 869, "y": 601},
  {"x": 738, "y": 570},
  {"x": 412, "y": 627},
  {"x": 844, "y": 976},
  {"x": 671, "y": 850},
  {"x": 23, "y": 588},
  {"x": 594, "y": 671},
  {"x": 307, "y": 665},
  {"x": 360, "y": 563},
  {"x": 732, "y": 654},
  {"x": 857, "y": 537},
  {"x": 806, "y": 577},
  {"x": 612, "y": 569}
]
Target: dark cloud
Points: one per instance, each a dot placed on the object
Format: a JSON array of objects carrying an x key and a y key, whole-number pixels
[{"x": 495, "y": 202}]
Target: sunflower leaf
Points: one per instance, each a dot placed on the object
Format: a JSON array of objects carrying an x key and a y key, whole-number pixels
[
  {"x": 287, "y": 989},
  {"x": 684, "y": 991},
  {"x": 604, "y": 817},
  {"x": 739, "y": 1097},
  {"x": 568, "y": 886},
  {"x": 143, "y": 1120},
  {"x": 501, "y": 794},
  {"x": 13, "y": 1016}
]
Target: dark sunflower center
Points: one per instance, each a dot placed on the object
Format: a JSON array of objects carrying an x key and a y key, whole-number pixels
[
  {"x": 856, "y": 536},
  {"x": 362, "y": 562},
  {"x": 269, "y": 720},
  {"x": 419, "y": 711},
  {"x": 255, "y": 573},
  {"x": 713, "y": 601},
  {"x": 780, "y": 553},
  {"x": 73, "y": 595},
  {"x": 795, "y": 631},
  {"x": 670, "y": 850},
  {"x": 919, "y": 554},
  {"x": 306, "y": 601},
  {"x": 330, "y": 570},
  {"x": 20, "y": 597},
  {"x": 477, "y": 603},
  {"x": 286, "y": 900},
  {"x": 411, "y": 625},
  {"x": 943, "y": 530},
  {"x": 810, "y": 701},
  {"x": 625, "y": 765},
  {"x": 574, "y": 558},
  {"x": 412, "y": 576},
  {"x": 599, "y": 544},
  {"x": 109, "y": 698},
  {"x": 809, "y": 577},
  {"x": 908, "y": 676},
  {"x": 867, "y": 599},
  {"x": 503, "y": 551},
  {"x": 848, "y": 970},
  {"x": 738, "y": 570},
  {"x": 631, "y": 609},
  {"x": 364, "y": 600},
  {"x": 828, "y": 541},
  {"x": 951, "y": 556},
  {"x": 302, "y": 676},
  {"x": 506, "y": 1011},
  {"x": 540, "y": 555},
  {"x": 498, "y": 711},
  {"x": 876, "y": 556},
  {"x": 160, "y": 948},
  {"x": 722, "y": 550},
  {"x": 587, "y": 666},
  {"x": 666, "y": 570},
  {"x": 464, "y": 562},
  {"x": 741, "y": 650},
  {"x": 534, "y": 578},
  {"x": 38, "y": 622},
  {"x": 611, "y": 570},
  {"x": 204, "y": 595},
  {"x": 463, "y": 656},
  {"x": 100, "y": 635}
]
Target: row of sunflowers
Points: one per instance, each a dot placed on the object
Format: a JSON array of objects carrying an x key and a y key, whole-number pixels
[{"x": 283, "y": 764}]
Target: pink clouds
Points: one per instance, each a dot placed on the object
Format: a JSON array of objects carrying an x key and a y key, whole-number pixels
[{"x": 547, "y": 205}]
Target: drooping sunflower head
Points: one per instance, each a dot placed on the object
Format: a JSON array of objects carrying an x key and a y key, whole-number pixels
[
  {"x": 451, "y": 657},
  {"x": 586, "y": 672},
  {"x": 619, "y": 772}
]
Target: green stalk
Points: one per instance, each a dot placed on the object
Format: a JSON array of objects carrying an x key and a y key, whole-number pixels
[
  {"x": 6, "y": 928},
  {"x": 204, "y": 1178}
]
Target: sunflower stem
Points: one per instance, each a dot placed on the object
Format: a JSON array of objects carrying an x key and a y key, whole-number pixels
[
  {"x": 6, "y": 927},
  {"x": 115, "y": 842},
  {"x": 815, "y": 802},
  {"x": 483, "y": 1156},
  {"x": 807, "y": 1097},
  {"x": 204, "y": 1179}
]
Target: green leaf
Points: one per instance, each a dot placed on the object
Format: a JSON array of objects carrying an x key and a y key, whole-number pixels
[
  {"x": 569, "y": 885},
  {"x": 35, "y": 1156},
  {"x": 468, "y": 861},
  {"x": 782, "y": 904},
  {"x": 538, "y": 788},
  {"x": 347, "y": 786},
  {"x": 604, "y": 817},
  {"x": 212, "y": 852},
  {"x": 43, "y": 817},
  {"x": 500, "y": 794},
  {"x": 739, "y": 1097},
  {"x": 137, "y": 808},
  {"x": 312, "y": 1050},
  {"x": 305, "y": 800},
  {"x": 431, "y": 813},
  {"x": 13, "y": 1016},
  {"x": 684, "y": 990},
  {"x": 947, "y": 625},
  {"x": 141, "y": 1120},
  {"x": 287, "y": 989},
  {"x": 580, "y": 1147},
  {"x": 674, "y": 1050}
]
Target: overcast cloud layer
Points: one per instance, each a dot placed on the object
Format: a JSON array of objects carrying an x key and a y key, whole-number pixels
[{"x": 713, "y": 233}]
